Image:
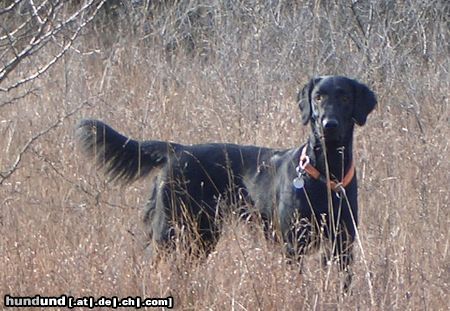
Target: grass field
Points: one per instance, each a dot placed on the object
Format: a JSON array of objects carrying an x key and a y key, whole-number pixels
[{"x": 229, "y": 71}]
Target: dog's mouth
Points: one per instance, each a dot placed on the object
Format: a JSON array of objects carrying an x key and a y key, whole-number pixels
[{"x": 331, "y": 135}]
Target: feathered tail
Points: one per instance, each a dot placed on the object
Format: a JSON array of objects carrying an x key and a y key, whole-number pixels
[{"x": 122, "y": 158}]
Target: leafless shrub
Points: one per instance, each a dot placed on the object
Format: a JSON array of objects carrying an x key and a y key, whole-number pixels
[
  {"x": 196, "y": 71},
  {"x": 28, "y": 29}
]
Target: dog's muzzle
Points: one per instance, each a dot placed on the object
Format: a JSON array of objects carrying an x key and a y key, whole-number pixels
[
  {"x": 330, "y": 124},
  {"x": 330, "y": 128}
]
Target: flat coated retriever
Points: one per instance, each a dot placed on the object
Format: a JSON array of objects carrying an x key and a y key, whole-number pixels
[{"x": 305, "y": 194}]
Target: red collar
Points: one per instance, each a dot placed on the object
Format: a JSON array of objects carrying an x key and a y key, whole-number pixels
[{"x": 335, "y": 185}]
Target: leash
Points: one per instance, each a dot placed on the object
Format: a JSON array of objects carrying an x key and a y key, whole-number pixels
[{"x": 306, "y": 168}]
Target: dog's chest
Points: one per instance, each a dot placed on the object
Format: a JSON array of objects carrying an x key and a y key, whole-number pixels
[{"x": 311, "y": 197}]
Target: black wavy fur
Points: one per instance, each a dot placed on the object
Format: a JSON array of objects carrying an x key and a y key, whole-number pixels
[{"x": 123, "y": 159}]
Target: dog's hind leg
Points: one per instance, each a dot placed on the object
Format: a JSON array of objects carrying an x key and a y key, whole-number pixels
[{"x": 157, "y": 223}]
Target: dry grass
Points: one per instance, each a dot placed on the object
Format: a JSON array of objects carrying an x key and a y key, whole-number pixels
[{"x": 230, "y": 73}]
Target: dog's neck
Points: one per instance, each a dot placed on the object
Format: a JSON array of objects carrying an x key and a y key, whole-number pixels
[{"x": 338, "y": 154}]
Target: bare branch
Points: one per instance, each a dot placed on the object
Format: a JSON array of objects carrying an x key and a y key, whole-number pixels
[
  {"x": 96, "y": 194},
  {"x": 21, "y": 26},
  {"x": 36, "y": 41},
  {"x": 54, "y": 60},
  {"x": 35, "y": 13},
  {"x": 10, "y": 8},
  {"x": 6, "y": 174},
  {"x": 48, "y": 29},
  {"x": 11, "y": 101}
]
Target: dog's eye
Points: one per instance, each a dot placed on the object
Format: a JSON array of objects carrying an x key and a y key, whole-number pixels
[{"x": 318, "y": 98}]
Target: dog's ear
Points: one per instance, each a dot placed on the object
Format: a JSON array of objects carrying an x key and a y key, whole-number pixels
[
  {"x": 364, "y": 101},
  {"x": 304, "y": 100}
]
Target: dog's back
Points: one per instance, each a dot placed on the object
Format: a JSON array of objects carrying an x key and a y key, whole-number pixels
[{"x": 194, "y": 186}]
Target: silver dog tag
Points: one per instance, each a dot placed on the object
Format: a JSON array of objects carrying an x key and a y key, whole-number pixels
[{"x": 298, "y": 182}]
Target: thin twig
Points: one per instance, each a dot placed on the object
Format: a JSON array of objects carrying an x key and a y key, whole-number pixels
[
  {"x": 79, "y": 186},
  {"x": 10, "y": 7},
  {"x": 363, "y": 256},
  {"x": 41, "y": 39},
  {"x": 6, "y": 174},
  {"x": 11, "y": 101},
  {"x": 258, "y": 300}
]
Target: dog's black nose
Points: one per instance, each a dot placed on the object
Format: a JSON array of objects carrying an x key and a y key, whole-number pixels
[{"x": 330, "y": 123}]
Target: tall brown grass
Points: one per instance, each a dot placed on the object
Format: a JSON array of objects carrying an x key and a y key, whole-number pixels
[{"x": 197, "y": 71}]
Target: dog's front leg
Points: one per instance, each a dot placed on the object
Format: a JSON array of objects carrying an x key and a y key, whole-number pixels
[{"x": 340, "y": 251}]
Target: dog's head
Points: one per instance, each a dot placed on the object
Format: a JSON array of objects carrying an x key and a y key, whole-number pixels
[{"x": 335, "y": 103}]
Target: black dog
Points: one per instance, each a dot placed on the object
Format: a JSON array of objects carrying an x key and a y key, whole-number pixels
[{"x": 306, "y": 193}]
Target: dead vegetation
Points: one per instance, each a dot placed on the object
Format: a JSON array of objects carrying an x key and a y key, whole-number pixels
[{"x": 196, "y": 71}]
